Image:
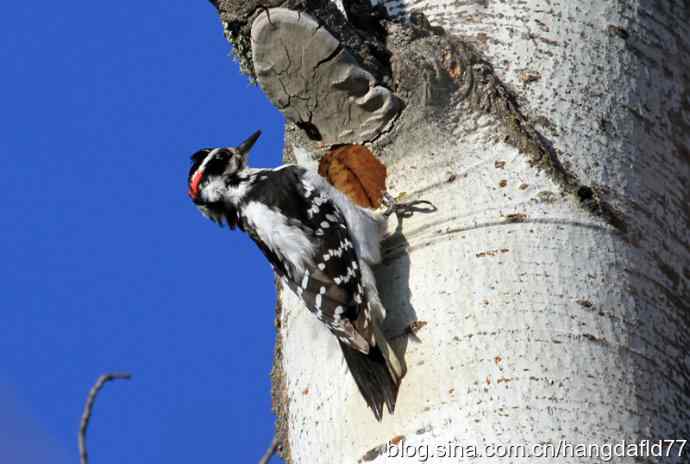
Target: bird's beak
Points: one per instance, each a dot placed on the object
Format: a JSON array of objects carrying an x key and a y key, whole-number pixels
[{"x": 247, "y": 145}]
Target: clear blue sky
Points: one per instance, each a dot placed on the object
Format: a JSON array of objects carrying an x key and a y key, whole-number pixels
[{"x": 106, "y": 264}]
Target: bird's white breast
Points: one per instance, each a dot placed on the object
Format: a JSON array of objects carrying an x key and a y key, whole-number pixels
[{"x": 280, "y": 235}]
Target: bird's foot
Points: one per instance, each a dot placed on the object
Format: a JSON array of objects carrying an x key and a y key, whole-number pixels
[{"x": 405, "y": 209}]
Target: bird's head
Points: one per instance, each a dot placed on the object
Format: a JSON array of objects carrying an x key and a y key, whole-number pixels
[{"x": 211, "y": 165}]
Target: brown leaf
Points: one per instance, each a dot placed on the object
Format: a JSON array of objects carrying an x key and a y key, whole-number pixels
[{"x": 355, "y": 171}]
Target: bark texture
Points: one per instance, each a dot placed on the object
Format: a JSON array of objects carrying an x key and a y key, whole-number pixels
[
  {"x": 317, "y": 82},
  {"x": 554, "y": 138}
]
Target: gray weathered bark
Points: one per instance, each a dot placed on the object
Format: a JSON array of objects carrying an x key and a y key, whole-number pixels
[{"x": 554, "y": 138}]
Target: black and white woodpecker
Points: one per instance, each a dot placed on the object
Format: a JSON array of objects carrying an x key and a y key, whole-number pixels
[{"x": 319, "y": 243}]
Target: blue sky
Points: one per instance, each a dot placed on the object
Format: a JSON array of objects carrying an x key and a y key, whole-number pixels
[{"x": 106, "y": 263}]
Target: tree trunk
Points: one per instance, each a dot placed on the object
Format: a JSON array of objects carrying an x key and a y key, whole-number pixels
[{"x": 553, "y": 136}]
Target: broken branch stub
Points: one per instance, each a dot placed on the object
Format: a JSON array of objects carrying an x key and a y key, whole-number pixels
[{"x": 315, "y": 81}]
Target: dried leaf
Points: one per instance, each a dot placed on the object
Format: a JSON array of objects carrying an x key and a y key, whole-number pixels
[{"x": 355, "y": 171}]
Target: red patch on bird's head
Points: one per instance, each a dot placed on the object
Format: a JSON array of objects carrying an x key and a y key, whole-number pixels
[{"x": 193, "y": 191}]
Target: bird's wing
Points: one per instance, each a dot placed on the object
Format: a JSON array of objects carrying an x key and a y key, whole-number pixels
[{"x": 329, "y": 282}]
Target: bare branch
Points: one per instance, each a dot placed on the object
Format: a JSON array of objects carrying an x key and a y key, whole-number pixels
[
  {"x": 88, "y": 409},
  {"x": 270, "y": 451}
]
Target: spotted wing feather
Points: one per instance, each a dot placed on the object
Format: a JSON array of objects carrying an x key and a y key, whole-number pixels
[
  {"x": 330, "y": 283},
  {"x": 332, "y": 287}
]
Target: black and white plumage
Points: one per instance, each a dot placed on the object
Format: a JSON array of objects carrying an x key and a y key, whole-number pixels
[{"x": 319, "y": 243}]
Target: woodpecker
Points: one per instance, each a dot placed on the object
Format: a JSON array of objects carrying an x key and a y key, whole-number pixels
[{"x": 319, "y": 243}]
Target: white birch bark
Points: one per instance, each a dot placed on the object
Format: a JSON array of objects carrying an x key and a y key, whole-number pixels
[{"x": 545, "y": 322}]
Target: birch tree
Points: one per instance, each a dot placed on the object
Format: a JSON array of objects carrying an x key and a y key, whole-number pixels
[{"x": 550, "y": 287}]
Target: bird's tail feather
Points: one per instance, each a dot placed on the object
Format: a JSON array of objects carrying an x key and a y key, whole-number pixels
[
  {"x": 395, "y": 365},
  {"x": 375, "y": 378}
]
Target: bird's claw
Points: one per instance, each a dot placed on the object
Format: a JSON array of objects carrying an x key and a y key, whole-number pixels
[
  {"x": 406, "y": 209},
  {"x": 390, "y": 204}
]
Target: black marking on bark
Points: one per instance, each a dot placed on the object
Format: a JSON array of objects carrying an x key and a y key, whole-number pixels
[
  {"x": 618, "y": 31},
  {"x": 373, "y": 453},
  {"x": 310, "y": 129},
  {"x": 595, "y": 339},
  {"x": 585, "y": 193}
]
